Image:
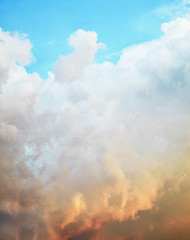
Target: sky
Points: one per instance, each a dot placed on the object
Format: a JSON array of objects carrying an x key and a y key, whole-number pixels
[
  {"x": 48, "y": 24},
  {"x": 94, "y": 120}
]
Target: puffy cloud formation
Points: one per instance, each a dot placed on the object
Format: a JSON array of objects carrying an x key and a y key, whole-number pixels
[
  {"x": 96, "y": 151},
  {"x": 72, "y": 65},
  {"x": 13, "y": 50}
]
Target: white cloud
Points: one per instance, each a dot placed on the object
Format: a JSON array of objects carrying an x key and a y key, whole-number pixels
[
  {"x": 186, "y": 1},
  {"x": 85, "y": 46},
  {"x": 13, "y": 49},
  {"x": 100, "y": 131}
]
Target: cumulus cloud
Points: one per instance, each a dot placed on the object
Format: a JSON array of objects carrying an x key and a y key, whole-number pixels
[
  {"x": 85, "y": 45},
  {"x": 96, "y": 151},
  {"x": 13, "y": 49}
]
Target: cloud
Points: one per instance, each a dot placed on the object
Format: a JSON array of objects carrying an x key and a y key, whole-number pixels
[
  {"x": 13, "y": 49},
  {"x": 186, "y": 1},
  {"x": 96, "y": 151},
  {"x": 85, "y": 46}
]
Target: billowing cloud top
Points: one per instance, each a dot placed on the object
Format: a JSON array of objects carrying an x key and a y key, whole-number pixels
[
  {"x": 72, "y": 65},
  {"x": 96, "y": 151}
]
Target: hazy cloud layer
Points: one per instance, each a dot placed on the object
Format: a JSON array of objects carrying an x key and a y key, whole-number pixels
[{"x": 96, "y": 151}]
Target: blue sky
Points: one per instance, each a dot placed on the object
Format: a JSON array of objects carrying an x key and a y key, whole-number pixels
[{"x": 48, "y": 24}]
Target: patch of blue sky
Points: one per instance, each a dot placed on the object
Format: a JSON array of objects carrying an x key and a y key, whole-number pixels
[
  {"x": 40, "y": 165},
  {"x": 118, "y": 23}
]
